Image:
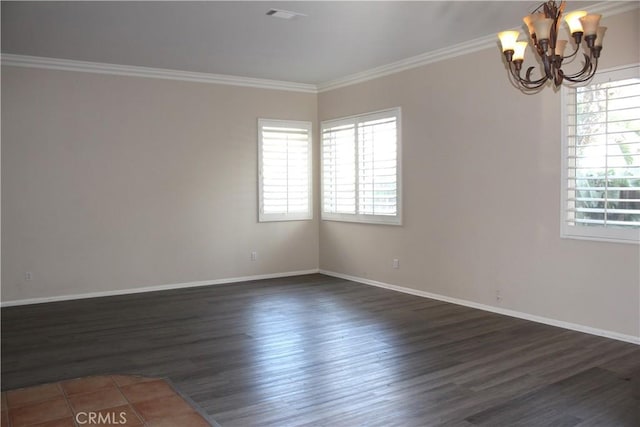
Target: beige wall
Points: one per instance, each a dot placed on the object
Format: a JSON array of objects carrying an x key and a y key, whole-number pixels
[
  {"x": 481, "y": 178},
  {"x": 113, "y": 183}
]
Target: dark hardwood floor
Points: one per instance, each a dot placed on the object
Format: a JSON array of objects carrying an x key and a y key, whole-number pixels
[{"x": 320, "y": 351}]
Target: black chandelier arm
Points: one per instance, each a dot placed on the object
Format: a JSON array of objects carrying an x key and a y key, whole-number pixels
[
  {"x": 547, "y": 63},
  {"x": 541, "y": 80},
  {"x": 539, "y": 50},
  {"x": 526, "y": 83},
  {"x": 588, "y": 71},
  {"x": 575, "y": 52},
  {"x": 523, "y": 87}
]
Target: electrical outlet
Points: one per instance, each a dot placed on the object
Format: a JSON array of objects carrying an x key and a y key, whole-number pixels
[
  {"x": 254, "y": 256},
  {"x": 396, "y": 263},
  {"x": 498, "y": 296},
  {"x": 28, "y": 276}
]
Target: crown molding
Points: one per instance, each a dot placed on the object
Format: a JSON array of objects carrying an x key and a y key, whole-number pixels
[
  {"x": 411, "y": 62},
  {"x": 158, "y": 73},
  {"x": 611, "y": 8},
  {"x": 608, "y": 8}
]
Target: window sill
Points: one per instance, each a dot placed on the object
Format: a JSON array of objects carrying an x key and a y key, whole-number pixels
[{"x": 603, "y": 238}]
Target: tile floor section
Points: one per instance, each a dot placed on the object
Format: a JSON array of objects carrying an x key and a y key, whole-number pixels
[{"x": 114, "y": 400}]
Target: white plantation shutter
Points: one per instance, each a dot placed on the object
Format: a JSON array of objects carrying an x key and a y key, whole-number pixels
[
  {"x": 377, "y": 170},
  {"x": 284, "y": 151},
  {"x": 602, "y": 158},
  {"x": 339, "y": 169},
  {"x": 360, "y": 168}
]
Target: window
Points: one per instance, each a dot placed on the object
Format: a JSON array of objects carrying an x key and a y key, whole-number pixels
[
  {"x": 361, "y": 168},
  {"x": 284, "y": 159},
  {"x": 601, "y": 137}
]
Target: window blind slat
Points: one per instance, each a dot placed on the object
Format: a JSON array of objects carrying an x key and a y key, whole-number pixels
[
  {"x": 360, "y": 165},
  {"x": 285, "y": 167},
  {"x": 603, "y": 155}
]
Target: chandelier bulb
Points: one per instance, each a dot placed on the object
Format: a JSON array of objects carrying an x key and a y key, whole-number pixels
[
  {"x": 518, "y": 54},
  {"x": 560, "y": 47},
  {"x": 590, "y": 24},
  {"x": 529, "y": 20},
  {"x": 543, "y": 28},
  {"x": 573, "y": 21},
  {"x": 599, "y": 36},
  {"x": 508, "y": 39}
]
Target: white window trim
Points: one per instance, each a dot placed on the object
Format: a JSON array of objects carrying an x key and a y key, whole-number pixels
[
  {"x": 361, "y": 218},
  {"x": 600, "y": 234},
  {"x": 270, "y": 217}
]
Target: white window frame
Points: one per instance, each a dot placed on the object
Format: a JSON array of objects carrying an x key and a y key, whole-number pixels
[
  {"x": 365, "y": 218},
  {"x": 594, "y": 233},
  {"x": 284, "y": 216}
]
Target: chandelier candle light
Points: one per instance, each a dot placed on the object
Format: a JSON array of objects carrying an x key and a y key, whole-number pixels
[{"x": 544, "y": 25}]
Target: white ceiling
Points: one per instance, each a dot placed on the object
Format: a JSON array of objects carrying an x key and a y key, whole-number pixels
[{"x": 334, "y": 40}]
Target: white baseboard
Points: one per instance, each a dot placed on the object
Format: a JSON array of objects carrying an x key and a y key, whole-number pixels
[
  {"x": 532, "y": 317},
  {"x": 156, "y": 288}
]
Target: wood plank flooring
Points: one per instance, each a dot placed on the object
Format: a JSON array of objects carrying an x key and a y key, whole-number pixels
[{"x": 320, "y": 351}]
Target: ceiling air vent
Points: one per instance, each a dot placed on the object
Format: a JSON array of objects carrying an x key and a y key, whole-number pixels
[{"x": 283, "y": 14}]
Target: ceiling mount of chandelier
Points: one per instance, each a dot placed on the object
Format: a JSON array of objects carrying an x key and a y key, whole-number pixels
[{"x": 544, "y": 25}]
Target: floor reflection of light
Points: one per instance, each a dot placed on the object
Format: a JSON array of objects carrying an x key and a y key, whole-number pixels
[{"x": 320, "y": 344}]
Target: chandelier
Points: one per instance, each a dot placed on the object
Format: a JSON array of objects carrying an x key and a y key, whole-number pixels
[{"x": 544, "y": 25}]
